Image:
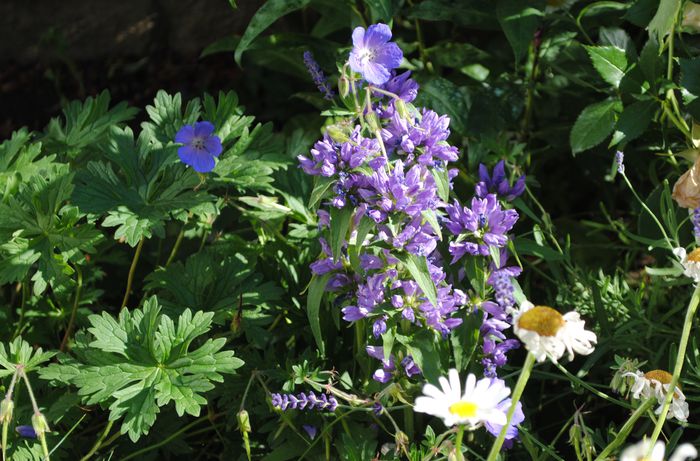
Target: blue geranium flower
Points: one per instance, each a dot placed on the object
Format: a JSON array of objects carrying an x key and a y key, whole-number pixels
[
  {"x": 200, "y": 146},
  {"x": 373, "y": 55},
  {"x": 27, "y": 432}
]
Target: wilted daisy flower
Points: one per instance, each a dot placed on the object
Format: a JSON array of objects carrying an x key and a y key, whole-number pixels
[
  {"x": 655, "y": 384},
  {"x": 547, "y": 333},
  {"x": 373, "y": 55},
  {"x": 638, "y": 452},
  {"x": 480, "y": 402},
  {"x": 200, "y": 147},
  {"x": 690, "y": 262}
]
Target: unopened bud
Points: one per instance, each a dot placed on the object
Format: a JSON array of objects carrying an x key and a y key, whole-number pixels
[
  {"x": 40, "y": 425},
  {"x": 6, "y": 408},
  {"x": 337, "y": 133},
  {"x": 373, "y": 121},
  {"x": 343, "y": 87},
  {"x": 236, "y": 322},
  {"x": 244, "y": 421},
  {"x": 402, "y": 442},
  {"x": 401, "y": 108}
]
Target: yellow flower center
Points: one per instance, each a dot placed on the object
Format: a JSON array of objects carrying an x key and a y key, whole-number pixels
[
  {"x": 664, "y": 377},
  {"x": 694, "y": 256},
  {"x": 543, "y": 320},
  {"x": 464, "y": 409}
]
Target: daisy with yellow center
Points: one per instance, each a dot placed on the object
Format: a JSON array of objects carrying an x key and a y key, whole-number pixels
[
  {"x": 641, "y": 452},
  {"x": 690, "y": 262},
  {"x": 548, "y": 334},
  {"x": 655, "y": 384},
  {"x": 477, "y": 405}
]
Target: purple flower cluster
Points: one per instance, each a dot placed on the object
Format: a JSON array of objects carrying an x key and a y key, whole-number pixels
[
  {"x": 304, "y": 402},
  {"x": 483, "y": 225},
  {"x": 317, "y": 75},
  {"x": 498, "y": 183},
  {"x": 695, "y": 218},
  {"x": 388, "y": 368}
]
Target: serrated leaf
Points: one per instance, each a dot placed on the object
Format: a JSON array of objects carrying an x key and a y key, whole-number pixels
[
  {"x": 609, "y": 61},
  {"x": 593, "y": 125},
  {"x": 663, "y": 21},
  {"x": 317, "y": 287},
  {"x": 442, "y": 181},
  {"x": 445, "y": 97},
  {"x": 633, "y": 121},
  {"x": 321, "y": 186},
  {"x": 690, "y": 75},
  {"x": 268, "y": 13},
  {"x": 142, "y": 361}
]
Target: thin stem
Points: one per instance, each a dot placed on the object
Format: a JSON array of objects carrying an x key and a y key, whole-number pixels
[
  {"x": 25, "y": 295},
  {"x": 167, "y": 440},
  {"x": 99, "y": 441},
  {"x": 40, "y": 433},
  {"x": 132, "y": 270},
  {"x": 458, "y": 443},
  {"x": 625, "y": 430},
  {"x": 680, "y": 358},
  {"x": 76, "y": 302},
  {"x": 6, "y": 418},
  {"x": 517, "y": 393},
  {"x": 176, "y": 247},
  {"x": 646, "y": 208}
]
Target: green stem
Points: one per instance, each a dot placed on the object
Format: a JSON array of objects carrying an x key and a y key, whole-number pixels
[
  {"x": 176, "y": 247},
  {"x": 517, "y": 393},
  {"x": 99, "y": 441},
  {"x": 8, "y": 417},
  {"x": 41, "y": 435},
  {"x": 680, "y": 358},
  {"x": 625, "y": 430},
  {"x": 646, "y": 208},
  {"x": 132, "y": 270},
  {"x": 76, "y": 302},
  {"x": 25, "y": 290},
  {"x": 172, "y": 437},
  {"x": 458, "y": 443}
]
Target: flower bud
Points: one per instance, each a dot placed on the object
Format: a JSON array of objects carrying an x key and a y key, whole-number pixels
[
  {"x": 691, "y": 17},
  {"x": 343, "y": 87},
  {"x": 244, "y": 421},
  {"x": 686, "y": 191},
  {"x": 402, "y": 442},
  {"x": 373, "y": 121},
  {"x": 337, "y": 133},
  {"x": 6, "y": 408},
  {"x": 40, "y": 424},
  {"x": 401, "y": 108}
]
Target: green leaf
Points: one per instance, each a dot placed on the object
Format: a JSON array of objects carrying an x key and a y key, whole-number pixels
[
  {"x": 609, "y": 61},
  {"x": 381, "y": 10},
  {"x": 690, "y": 74},
  {"x": 651, "y": 64},
  {"x": 270, "y": 12},
  {"x": 85, "y": 123},
  {"x": 142, "y": 361},
  {"x": 519, "y": 22},
  {"x": 317, "y": 287},
  {"x": 665, "y": 18},
  {"x": 341, "y": 218},
  {"x": 442, "y": 181},
  {"x": 321, "y": 186},
  {"x": 476, "y": 14},
  {"x": 424, "y": 350},
  {"x": 445, "y": 97},
  {"x": 418, "y": 267},
  {"x": 634, "y": 121},
  {"x": 593, "y": 125},
  {"x": 20, "y": 352}
]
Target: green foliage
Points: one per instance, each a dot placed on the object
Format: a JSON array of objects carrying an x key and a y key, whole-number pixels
[
  {"x": 142, "y": 361},
  {"x": 19, "y": 352}
]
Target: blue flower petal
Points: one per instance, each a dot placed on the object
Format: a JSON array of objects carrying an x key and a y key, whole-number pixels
[
  {"x": 212, "y": 145},
  {"x": 375, "y": 73},
  {"x": 200, "y": 161},
  {"x": 377, "y": 35},
  {"x": 26, "y": 432},
  {"x": 185, "y": 134},
  {"x": 203, "y": 129}
]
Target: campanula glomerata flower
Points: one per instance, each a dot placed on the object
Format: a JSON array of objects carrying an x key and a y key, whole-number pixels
[
  {"x": 200, "y": 146},
  {"x": 373, "y": 55}
]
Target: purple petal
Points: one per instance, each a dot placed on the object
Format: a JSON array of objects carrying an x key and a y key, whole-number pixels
[
  {"x": 203, "y": 129},
  {"x": 376, "y": 35},
  {"x": 375, "y": 73},
  {"x": 212, "y": 144},
  {"x": 201, "y": 162},
  {"x": 185, "y": 134}
]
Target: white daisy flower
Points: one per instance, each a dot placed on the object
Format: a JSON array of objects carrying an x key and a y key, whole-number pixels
[
  {"x": 547, "y": 333},
  {"x": 638, "y": 452},
  {"x": 655, "y": 384},
  {"x": 478, "y": 404},
  {"x": 690, "y": 262}
]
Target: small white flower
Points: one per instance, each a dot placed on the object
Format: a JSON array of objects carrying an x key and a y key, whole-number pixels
[
  {"x": 639, "y": 450},
  {"x": 655, "y": 384},
  {"x": 690, "y": 262},
  {"x": 547, "y": 333},
  {"x": 476, "y": 405}
]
